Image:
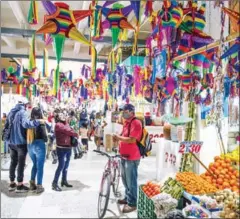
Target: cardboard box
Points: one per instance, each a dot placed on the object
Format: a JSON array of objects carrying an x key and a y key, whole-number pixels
[{"x": 109, "y": 143}]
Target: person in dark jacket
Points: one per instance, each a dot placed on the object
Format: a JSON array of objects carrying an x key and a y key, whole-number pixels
[
  {"x": 18, "y": 143},
  {"x": 37, "y": 151},
  {"x": 63, "y": 133}
]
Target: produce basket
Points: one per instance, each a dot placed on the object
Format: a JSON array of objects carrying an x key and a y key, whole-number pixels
[{"x": 145, "y": 206}]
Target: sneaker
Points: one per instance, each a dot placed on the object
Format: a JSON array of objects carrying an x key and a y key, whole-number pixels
[
  {"x": 122, "y": 202},
  {"x": 75, "y": 156},
  {"x": 12, "y": 187},
  {"x": 39, "y": 189},
  {"x": 22, "y": 188},
  {"x": 128, "y": 209},
  {"x": 54, "y": 161}
]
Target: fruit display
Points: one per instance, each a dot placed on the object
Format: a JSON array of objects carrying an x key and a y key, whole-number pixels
[
  {"x": 195, "y": 211},
  {"x": 163, "y": 204},
  {"x": 195, "y": 184},
  {"x": 207, "y": 202},
  {"x": 226, "y": 196},
  {"x": 234, "y": 156},
  {"x": 173, "y": 188},
  {"x": 151, "y": 189},
  {"x": 224, "y": 175},
  {"x": 230, "y": 211}
]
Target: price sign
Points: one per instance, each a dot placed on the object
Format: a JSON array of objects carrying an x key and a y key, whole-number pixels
[
  {"x": 190, "y": 146},
  {"x": 168, "y": 159},
  {"x": 154, "y": 137}
]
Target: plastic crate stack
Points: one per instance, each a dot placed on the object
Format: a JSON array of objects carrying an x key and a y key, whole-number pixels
[{"x": 145, "y": 206}]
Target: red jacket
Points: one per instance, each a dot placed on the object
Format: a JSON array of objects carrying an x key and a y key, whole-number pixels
[{"x": 63, "y": 133}]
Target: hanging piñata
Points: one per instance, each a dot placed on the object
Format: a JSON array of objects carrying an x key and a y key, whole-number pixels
[{"x": 61, "y": 24}]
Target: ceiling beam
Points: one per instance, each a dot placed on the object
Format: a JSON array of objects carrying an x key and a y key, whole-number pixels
[
  {"x": 81, "y": 27},
  {"x": 18, "y": 13},
  {"x": 99, "y": 47},
  {"x": 5, "y": 31},
  {"x": 10, "y": 42},
  {"x": 23, "y": 56}
]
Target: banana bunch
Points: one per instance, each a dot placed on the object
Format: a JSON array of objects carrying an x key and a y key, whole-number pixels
[
  {"x": 234, "y": 155},
  {"x": 173, "y": 188}
]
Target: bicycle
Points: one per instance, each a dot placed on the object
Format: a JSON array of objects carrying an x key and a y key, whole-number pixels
[{"x": 111, "y": 177}]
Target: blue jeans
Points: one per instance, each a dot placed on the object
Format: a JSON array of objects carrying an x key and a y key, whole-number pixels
[
  {"x": 37, "y": 152},
  {"x": 64, "y": 155},
  {"x": 6, "y": 150},
  {"x": 129, "y": 169}
]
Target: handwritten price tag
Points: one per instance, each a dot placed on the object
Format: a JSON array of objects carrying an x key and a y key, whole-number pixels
[
  {"x": 190, "y": 146},
  {"x": 153, "y": 137},
  {"x": 170, "y": 158}
]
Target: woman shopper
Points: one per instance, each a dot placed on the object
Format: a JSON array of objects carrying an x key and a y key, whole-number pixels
[
  {"x": 63, "y": 133},
  {"x": 84, "y": 135},
  {"x": 72, "y": 121},
  {"x": 37, "y": 150}
]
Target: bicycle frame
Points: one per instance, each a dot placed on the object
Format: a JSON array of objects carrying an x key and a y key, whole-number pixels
[{"x": 111, "y": 164}]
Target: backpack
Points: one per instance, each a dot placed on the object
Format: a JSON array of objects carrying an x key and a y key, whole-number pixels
[{"x": 144, "y": 145}]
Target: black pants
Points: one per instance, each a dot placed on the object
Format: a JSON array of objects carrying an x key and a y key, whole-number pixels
[
  {"x": 18, "y": 155},
  {"x": 85, "y": 142}
]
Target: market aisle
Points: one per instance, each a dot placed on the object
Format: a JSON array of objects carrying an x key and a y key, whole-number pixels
[{"x": 80, "y": 201}]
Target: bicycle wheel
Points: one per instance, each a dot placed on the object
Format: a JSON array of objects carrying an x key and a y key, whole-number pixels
[
  {"x": 116, "y": 179},
  {"x": 104, "y": 194}
]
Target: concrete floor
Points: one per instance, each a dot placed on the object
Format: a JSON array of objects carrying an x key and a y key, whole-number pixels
[{"x": 77, "y": 202}]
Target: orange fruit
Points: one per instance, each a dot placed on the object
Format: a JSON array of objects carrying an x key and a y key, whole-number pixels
[
  {"x": 220, "y": 187},
  {"x": 217, "y": 172},
  {"x": 232, "y": 182},
  {"x": 227, "y": 160},
  {"x": 219, "y": 181},
  {"x": 216, "y": 158},
  {"x": 214, "y": 181},
  {"x": 221, "y": 176},
  {"x": 224, "y": 165},
  {"x": 223, "y": 172},
  {"x": 227, "y": 176},
  {"x": 235, "y": 172},
  {"x": 235, "y": 188},
  {"x": 233, "y": 177},
  {"x": 226, "y": 185}
]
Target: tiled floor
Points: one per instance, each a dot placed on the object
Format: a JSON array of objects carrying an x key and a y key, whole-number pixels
[{"x": 77, "y": 202}]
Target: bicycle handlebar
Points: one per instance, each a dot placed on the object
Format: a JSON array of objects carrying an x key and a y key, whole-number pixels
[{"x": 105, "y": 154}]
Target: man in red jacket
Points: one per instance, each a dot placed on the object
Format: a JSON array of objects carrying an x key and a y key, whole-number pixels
[{"x": 132, "y": 132}]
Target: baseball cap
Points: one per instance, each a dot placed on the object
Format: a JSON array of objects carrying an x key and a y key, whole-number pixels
[
  {"x": 129, "y": 107},
  {"x": 23, "y": 100}
]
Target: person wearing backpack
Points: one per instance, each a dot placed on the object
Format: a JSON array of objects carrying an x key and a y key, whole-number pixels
[
  {"x": 15, "y": 132},
  {"x": 128, "y": 148}
]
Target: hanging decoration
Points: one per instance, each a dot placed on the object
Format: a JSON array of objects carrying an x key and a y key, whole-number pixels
[
  {"x": 116, "y": 19},
  {"x": 45, "y": 63},
  {"x": 33, "y": 13},
  {"x": 61, "y": 24},
  {"x": 32, "y": 54}
]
